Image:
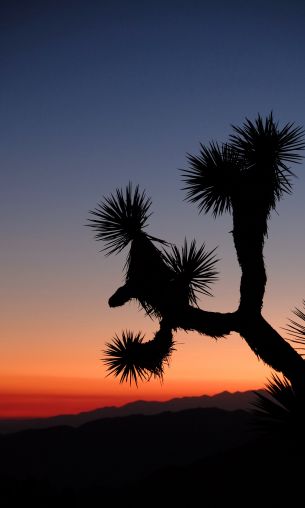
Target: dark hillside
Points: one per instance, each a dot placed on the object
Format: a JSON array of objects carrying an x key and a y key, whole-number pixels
[{"x": 108, "y": 454}]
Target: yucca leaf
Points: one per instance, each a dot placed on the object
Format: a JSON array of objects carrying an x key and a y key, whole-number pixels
[
  {"x": 276, "y": 407},
  {"x": 263, "y": 139},
  {"x": 211, "y": 177},
  {"x": 120, "y": 357},
  {"x": 194, "y": 269},
  {"x": 133, "y": 360},
  {"x": 297, "y": 328},
  {"x": 265, "y": 149},
  {"x": 120, "y": 218},
  {"x": 282, "y": 408}
]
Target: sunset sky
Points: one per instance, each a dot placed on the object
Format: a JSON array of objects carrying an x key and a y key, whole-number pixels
[{"x": 98, "y": 93}]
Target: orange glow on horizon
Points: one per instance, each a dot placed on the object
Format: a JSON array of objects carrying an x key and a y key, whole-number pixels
[
  {"x": 51, "y": 378},
  {"x": 44, "y": 397},
  {"x": 56, "y": 368}
]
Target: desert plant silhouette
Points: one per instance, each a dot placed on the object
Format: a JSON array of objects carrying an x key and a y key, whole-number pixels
[
  {"x": 245, "y": 177},
  {"x": 283, "y": 408}
]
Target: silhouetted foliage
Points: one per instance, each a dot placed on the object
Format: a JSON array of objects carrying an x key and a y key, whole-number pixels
[
  {"x": 297, "y": 328},
  {"x": 161, "y": 281},
  {"x": 131, "y": 359},
  {"x": 120, "y": 218},
  {"x": 194, "y": 270},
  {"x": 212, "y": 178},
  {"x": 247, "y": 177},
  {"x": 282, "y": 409}
]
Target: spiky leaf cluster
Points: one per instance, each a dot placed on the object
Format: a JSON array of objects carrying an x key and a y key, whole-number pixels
[
  {"x": 211, "y": 178},
  {"x": 194, "y": 270},
  {"x": 265, "y": 150},
  {"x": 282, "y": 408},
  {"x": 120, "y": 218},
  {"x": 297, "y": 328},
  {"x": 133, "y": 360},
  {"x": 251, "y": 168}
]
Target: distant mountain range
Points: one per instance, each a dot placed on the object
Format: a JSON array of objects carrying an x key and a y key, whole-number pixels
[
  {"x": 224, "y": 400},
  {"x": 196, "y": 457},
  {"x": 105, "y": 457}
]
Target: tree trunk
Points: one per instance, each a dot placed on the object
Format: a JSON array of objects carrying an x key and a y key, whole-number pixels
[{"x": 249, "y": 229}]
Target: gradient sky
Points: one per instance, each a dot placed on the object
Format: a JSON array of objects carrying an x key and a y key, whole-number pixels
[{"x": 97, "y": 93}]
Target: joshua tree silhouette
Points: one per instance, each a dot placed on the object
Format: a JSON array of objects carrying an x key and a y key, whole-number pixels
[{"x": 245, "y": 177}]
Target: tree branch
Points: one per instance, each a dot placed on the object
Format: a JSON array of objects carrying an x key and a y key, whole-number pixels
[{"x": 264, "y": 340}]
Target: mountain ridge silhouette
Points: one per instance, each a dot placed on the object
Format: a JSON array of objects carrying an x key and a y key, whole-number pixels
[
  {"x": 178, "y": 457},
  {"x": 95, "y": 454},
  {"x": 226, "y": 400}
]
